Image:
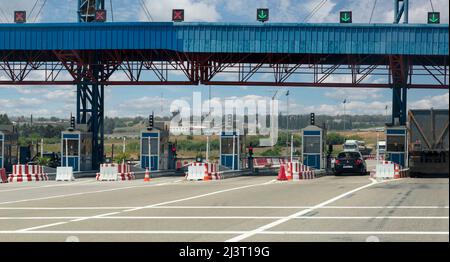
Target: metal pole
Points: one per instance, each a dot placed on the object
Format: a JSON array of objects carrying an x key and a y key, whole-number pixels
[
  {"x": 292, "y": 147},
  {"x": 238, "y": 144},
  {"x": 149, "y": 154},
  {"x": 287, "y": 122},
  {"x": 207, "y": 148},
  {"x": 124, "y": 146},
  {"x": 378, "y": 148},
  {"x": 67, "y": 153},
  {"x": 344, "y": 116},
  {"x": 42, "y": 147},
  {"x": 234, "y": 151}
]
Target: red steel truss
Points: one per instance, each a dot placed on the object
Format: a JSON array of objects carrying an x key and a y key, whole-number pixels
[{"x": 161, "y": 67}]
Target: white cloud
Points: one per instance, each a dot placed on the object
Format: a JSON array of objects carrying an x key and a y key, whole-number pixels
[
  {"x": 437, "y": 102},
  {"x": 352, "y": 94}
]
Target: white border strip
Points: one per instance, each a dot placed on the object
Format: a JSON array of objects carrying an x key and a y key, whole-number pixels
[
  {"x": 143, "y": 232},
  {"x": 225, "y": 207},
  {"x": 226, "y": 217}
]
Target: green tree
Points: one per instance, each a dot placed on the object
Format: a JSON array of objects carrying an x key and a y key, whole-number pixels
[
  {"x": 335, "y": 139},
  {"x": 4, "y": 120},
  {"x": 276, "y": 151}
]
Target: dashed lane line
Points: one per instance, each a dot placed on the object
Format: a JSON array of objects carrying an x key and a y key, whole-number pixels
[
  {"x": 84, "y": 193},
  {"x": 139, "y": 208},
  {"x": 298, "y": 214}
]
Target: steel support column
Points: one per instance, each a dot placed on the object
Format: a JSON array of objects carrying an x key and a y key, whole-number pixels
[
  {"x": 90, "y": 94},
  {"x": 399, "y": 78}
]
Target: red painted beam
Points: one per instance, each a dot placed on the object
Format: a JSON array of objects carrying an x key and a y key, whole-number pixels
[
  {"x": 225, "y": 83},
  {"x": 323, "y": 85},
  {"x": 108, "y": 83}
]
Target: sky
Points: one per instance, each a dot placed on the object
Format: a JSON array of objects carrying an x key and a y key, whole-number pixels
[{"x": 126, "y": 101}]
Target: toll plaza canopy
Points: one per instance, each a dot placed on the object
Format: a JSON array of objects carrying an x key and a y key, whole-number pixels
[
  {"x": 208, "y": 53},
  {"x": 276, "y": 38}
]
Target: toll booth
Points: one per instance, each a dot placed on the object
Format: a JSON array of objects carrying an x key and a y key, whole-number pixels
[
  {"x": 155, "y": 141},
  {"x": 76, "y": 149},
  {"x": 231, "y": 146},
  {"x": 313, "y": 143},
  {"x": 397, "y": 145},
  {"x": 8, "y": 147}
]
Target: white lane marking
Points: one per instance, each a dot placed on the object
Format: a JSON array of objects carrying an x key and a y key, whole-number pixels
[
  {"x": 47, "y": 186},
  {"x": 63, "y": 208},
  {"x": 83, "y": 193},
  {"x": 143, "y": 232},
  {"x": 297, "y": 214},
  {"x": 354, "y": 233},
  {"x": 193, "y": 197},
  {"x": 224, "y": 217},
  {"x": 225, "y": 207},
  {"x": 270, "y": 182},
  {"x": 59, "y": 223},
  {"x": 139, "y": 208}
]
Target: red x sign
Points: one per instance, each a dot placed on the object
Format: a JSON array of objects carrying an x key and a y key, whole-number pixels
[
  {"x": 20, "y": 16},
  {"x": 100, "y": 15},
  {"x": 178, "y": 15}
]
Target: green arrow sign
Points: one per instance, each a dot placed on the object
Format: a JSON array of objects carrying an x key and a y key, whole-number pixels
[
  {"x": 262, "y": 14},
  {"x": 346, "y": 17},
  {"x": 434, "y": 17}
]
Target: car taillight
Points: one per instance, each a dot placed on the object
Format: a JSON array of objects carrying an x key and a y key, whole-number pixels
[
  {"x": 359, "y": 162},
  {"x": 337, "y": 162}
]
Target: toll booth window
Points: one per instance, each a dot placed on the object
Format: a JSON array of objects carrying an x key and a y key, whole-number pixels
[
  {"x": 311, "y": 144},
  {"x": 227, "y": 145},
  {"x": 153, "y": 145},
  {"x": 73, "y": 148},
  {"x": 14, "y": 152},
  {"x": 395, "y": 144},
  {"x": 86, "y": 147}
]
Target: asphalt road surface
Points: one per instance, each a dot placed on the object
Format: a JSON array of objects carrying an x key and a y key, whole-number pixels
[{"x": 347, "y": 208}]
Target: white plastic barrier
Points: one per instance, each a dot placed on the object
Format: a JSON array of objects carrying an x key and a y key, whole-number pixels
[
  {"x": 196, "y": 172},
  {"x": 386, "y": 170},
  {"x": 202, "y": 171},
  {"x": 108, "y": 172},
  {"x": 64, "y": 174}
]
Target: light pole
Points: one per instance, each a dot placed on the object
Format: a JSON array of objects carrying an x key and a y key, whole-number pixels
[
  {"x": 386, "y": 109},
  {"x": 287, "y": 122},
  {"x": 345, "y": 102}
]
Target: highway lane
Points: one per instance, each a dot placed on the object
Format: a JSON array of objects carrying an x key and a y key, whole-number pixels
[{"x": 170, "y": 209}]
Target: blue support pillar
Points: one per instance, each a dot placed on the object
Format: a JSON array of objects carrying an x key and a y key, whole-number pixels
[
  {"x": 399, "y": 68},
  {"x": 90, "y": 95}
]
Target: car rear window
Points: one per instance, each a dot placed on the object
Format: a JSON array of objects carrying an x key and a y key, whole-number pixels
[{"x": 353, "y": 155}]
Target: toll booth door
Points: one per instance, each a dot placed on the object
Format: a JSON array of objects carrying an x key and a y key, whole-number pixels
[
  {"x": 73, "y": 162},
  {"x": 398, "y": 158},
  {"x": 155, "y": 163},
  {"x": 227, "y": 160},
  {"x": 71, "y": 156},
  {"x": 312, "y": 161}
]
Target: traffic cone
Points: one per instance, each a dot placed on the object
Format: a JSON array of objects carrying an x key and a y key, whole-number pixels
[
  {"x": 147, "y": 175},
  {"x": 282, "y": 174}
]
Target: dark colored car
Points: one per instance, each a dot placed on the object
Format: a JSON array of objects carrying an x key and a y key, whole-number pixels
[{"x": 350, "y": 163}]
